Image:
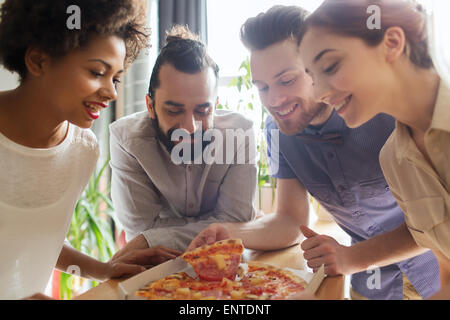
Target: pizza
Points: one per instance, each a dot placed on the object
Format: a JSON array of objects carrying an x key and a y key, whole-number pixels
[
  {"x": 222, "y": 276},
  {"x": 216, "y": 261},
  {"x": 259, "y": 282}
]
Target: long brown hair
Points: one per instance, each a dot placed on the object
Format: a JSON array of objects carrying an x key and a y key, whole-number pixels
[{"x": 349, "y": 18}]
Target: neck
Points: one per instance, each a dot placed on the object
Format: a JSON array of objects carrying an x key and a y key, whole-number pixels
[
  {"x": 322, "y": 115},
  {"x": 415, "y": 99},
  {"x": 24, "y": 118}
]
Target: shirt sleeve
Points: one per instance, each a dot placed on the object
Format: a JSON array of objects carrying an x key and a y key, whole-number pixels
[
  {"x": 234, "y": 204},
  {"x": 278, "y": 166},
  {"x": 137, "y": 204}
]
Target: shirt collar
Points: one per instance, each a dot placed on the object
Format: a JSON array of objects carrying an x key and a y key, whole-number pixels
[
  {"x": 441, "y": 114},
  {"x": 335, "y": 124},
  {"x": 440, "y": 120},
  {"x": 402, "y": 139}
]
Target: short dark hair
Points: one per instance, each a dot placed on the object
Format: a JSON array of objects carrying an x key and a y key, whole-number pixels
[
  {"x": 185, "y": 52},
  {"x": 277, "y": 24},
  {"x": 349, "y": 18},
  {"x": 43, "y": 24}
]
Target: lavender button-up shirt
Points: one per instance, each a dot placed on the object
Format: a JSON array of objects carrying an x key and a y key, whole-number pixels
[
  {"x": 168, "y": 203},
  {"x": 340, "y": 167}
]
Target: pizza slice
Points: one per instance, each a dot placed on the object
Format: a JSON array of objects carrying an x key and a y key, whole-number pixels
[{"x": 216, "y": 261}]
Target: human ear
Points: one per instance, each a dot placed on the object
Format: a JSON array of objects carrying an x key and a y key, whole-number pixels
[
  {"x": 394, "y": 43},
  {"x": 36, "y": 61},
  {"x": 150, "y": 106}
]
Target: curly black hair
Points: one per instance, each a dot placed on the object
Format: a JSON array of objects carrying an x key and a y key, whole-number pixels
[{"x": 43, "y": 24}]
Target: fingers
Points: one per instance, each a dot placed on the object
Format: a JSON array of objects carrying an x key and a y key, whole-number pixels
[
  {"x": 211, "y": 234},
  {"x": 315, "y": 252},
  {"x": 198, "y": 241},
  {"x": 150, "y": 256},
  {"x": 165, "y": 252},
  {"x": 126, "y": 270},
  {"x": 137, "y": 243},
  {"x": 317, "y": 262},
  {"x": 307, "y": 232}
]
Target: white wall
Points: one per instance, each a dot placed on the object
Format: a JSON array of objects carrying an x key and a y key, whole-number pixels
[{"x": 7, "y": 79}]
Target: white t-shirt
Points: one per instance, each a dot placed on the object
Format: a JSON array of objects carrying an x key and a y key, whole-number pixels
[{"x": 39, "y": 189}]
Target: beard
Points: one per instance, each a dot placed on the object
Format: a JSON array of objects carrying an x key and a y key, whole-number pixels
[
  {"x": 166, "y": 140},
  {"x": 296, "y": 125}
]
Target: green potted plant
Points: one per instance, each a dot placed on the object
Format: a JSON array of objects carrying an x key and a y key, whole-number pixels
[{"x": 91, "y": 230}]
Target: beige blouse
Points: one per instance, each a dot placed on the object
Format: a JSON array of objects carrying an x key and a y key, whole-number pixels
[{"x": 421, "y": 190}]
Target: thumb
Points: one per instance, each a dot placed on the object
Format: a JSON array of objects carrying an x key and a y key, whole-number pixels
[{"x": 307, "y": 232}]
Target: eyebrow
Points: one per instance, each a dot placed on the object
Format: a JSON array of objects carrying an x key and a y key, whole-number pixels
[
  {"x": 174, "y": 104},
  {"x": 275, "y": 76},
  {"x": 322, "y": 53},
  {"x": 105, "y": 63},
  {"x": 204, "y": 105},
  {"x": 282, "y": 72},
  {"x": 179, "y": 105}
]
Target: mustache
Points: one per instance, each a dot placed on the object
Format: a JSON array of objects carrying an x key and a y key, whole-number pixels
[{"x": 200, "y": 133}]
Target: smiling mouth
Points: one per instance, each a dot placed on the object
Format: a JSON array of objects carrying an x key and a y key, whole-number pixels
[
  {"x": 342, "y": 104},
  {"x": 93, "y": 109},
  {"x": 286, "y": 112}
]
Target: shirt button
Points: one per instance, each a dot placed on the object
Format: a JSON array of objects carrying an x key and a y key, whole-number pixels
[
  {"x": 357, "y": 213},
  {"x": 387, "y": 188},
  {"x": 330, "y": 155},
  {"x": 191, "y": 205},
  {"x": 341, "y": 188}
]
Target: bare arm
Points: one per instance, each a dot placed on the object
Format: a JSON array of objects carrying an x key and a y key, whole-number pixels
[
  {"x": 126, "y": 264},
  {"x": 386, "y": 249},
  {"x": 272, "y": 231},
  {"x": 382, "y": 250}
]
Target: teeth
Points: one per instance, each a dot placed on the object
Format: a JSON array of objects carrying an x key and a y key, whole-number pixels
[
  {"x": 92, "y": 107},
  {"x": 285, "y": 112},
  {"x": 343, "y": 103}
]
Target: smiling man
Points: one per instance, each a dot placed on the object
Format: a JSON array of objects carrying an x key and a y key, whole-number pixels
[
  {"x": 158, "y": 200},
  {"x": 339, "y": 166}
]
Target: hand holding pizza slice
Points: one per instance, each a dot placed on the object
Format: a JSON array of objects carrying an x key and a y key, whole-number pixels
[{"x": 216, "y": 261}]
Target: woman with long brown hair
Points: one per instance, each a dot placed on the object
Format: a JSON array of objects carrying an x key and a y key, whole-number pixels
[{"x": 363, "y": 68}]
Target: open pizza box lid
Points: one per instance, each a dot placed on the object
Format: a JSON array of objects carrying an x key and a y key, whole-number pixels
[{"x": 127, "y": 288}]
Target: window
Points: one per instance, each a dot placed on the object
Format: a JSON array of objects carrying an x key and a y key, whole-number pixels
[{"x": 224, "y": 22}]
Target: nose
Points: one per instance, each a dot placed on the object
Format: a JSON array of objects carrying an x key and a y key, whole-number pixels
[
  {"x": 275, "y": 98},
  {"x": 190, "y": 124},
  {"x": 108, "y": 91},
  {"x": 322, "y": 92}
]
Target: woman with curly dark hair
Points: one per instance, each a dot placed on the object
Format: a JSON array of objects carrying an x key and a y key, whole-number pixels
[{"x": 67, "y": 75}]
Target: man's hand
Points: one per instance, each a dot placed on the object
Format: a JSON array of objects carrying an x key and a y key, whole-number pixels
[
  {"x": 322, "y": 249},
  {"x": 137, "y": 260},
  {"x": 137, "y": 243},
  {"x": 214, "y": 232}
]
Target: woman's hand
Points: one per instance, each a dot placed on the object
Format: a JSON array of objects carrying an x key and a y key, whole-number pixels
[{"x": 136, "y": 261}]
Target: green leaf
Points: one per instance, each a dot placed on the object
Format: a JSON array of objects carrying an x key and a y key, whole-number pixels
[
  {"x": 99, "y": 175},
  {"x": 239, "y": 84}
]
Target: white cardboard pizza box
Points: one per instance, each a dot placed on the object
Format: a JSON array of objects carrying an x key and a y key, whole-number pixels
[{"x": 127, "y": 288}]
